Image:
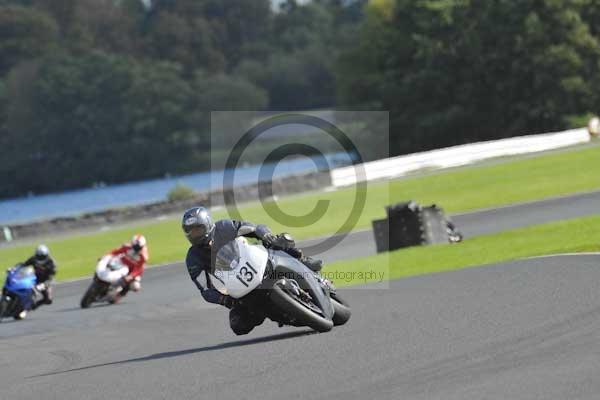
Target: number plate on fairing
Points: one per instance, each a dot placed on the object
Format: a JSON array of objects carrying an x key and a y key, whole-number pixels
[{"x": 239, "y": 268}]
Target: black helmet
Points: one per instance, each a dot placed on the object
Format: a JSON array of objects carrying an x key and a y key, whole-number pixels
[{"x": 198, "y": 226}]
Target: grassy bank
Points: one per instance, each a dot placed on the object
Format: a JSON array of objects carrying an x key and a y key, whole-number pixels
[
  {"x": 578, "y": 235},
  {"x": 456, "y": 190}
]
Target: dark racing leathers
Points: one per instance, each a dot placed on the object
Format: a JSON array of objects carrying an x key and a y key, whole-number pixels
[
  {"x": 44, "y": 272},
  {"x": 199, "y": 260}
]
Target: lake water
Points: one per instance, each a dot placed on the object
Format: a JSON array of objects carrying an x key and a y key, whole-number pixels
[{"x": 75, "y": 202}]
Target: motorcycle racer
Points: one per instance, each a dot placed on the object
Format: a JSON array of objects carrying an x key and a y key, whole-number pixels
[
  {"x": 45, "y": 269},
  {"x": 134, "y": 255},
  {"x": 206, "y": 237}
]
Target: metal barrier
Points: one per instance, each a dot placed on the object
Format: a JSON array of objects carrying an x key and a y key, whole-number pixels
[{"x": 459, "y": 155}]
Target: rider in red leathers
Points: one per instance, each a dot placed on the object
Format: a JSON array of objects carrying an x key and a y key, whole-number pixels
[{"x": 135, "y": 256}]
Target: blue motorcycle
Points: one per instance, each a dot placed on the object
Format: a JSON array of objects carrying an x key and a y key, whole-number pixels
[{"x": 18, "y": 292}]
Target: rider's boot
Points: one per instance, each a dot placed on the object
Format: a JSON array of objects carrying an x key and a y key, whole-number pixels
[
  {"x": 116, "y": 298},
  {"x": 312, "y": 263}
]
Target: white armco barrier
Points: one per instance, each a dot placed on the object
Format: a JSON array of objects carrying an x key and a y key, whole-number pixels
[{"x": 458, "y": 155}]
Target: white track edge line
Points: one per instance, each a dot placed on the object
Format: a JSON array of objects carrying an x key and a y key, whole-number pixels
[{"x": 564, "y": 255}]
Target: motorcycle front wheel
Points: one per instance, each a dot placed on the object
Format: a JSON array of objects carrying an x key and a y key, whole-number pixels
[
  {"x": 341, "y": 310},
  {"x": 3, "y": 308},
  {"x": 299, "y": 311},
  {"x": 90, "y": 295}
]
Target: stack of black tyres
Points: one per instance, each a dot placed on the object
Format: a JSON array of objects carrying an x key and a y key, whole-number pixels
[{"x": 409, "y": 224}]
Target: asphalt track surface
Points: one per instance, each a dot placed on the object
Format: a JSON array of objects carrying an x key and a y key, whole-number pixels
[{"x": 522, "y": 330}]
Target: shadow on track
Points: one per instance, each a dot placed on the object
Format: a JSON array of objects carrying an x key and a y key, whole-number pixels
[
  {"x": 71, "y": 309},
  {"x": 170, "y": 354},
  {"x": 92, "y": 307}
]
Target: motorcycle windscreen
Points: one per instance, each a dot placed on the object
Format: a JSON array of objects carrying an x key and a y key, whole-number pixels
[
  {"x": 239, "y": 268},
  {"x": 22, "y": 278}
]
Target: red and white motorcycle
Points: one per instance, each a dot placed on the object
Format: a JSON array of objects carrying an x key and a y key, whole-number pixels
[{"x": 105, "y": 285}]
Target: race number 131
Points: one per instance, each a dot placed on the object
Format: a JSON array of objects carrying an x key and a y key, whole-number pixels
[{"x": 246, "y": 274}]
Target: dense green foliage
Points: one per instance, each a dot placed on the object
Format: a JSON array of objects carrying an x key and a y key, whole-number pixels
[
  {"x": 181, "y": 192},
  {"x": 112, "y": 90},
  {"x": 455, "y": 71}
]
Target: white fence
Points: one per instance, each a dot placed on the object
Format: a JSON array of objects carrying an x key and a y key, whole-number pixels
[{"x": 459, "y": 155}]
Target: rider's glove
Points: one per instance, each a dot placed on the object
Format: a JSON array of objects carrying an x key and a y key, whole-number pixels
[
  {"x": 213, "y": 296},
  {"x": 269, "y": 240},
  {"x": 228, "y": 302},
  {"x": 40, "y": 287},
  {"x": 278, "y": 242}
]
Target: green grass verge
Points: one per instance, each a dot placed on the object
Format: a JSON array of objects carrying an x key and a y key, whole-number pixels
[
  {"x": 456, "y": 190},
  {"x": 571, "y": 236}
]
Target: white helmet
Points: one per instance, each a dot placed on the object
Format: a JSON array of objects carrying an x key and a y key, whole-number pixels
[
  {"x": 42, "y": 252},
  {"x": 138, "y": 242}
]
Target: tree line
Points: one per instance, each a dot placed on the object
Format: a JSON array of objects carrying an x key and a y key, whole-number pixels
[
  {"x": 119, "y": 90},
  {"x": 458, "y": 71}
]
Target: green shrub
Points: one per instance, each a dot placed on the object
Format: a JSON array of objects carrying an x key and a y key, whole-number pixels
[{"x": 181, "y": 192}]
